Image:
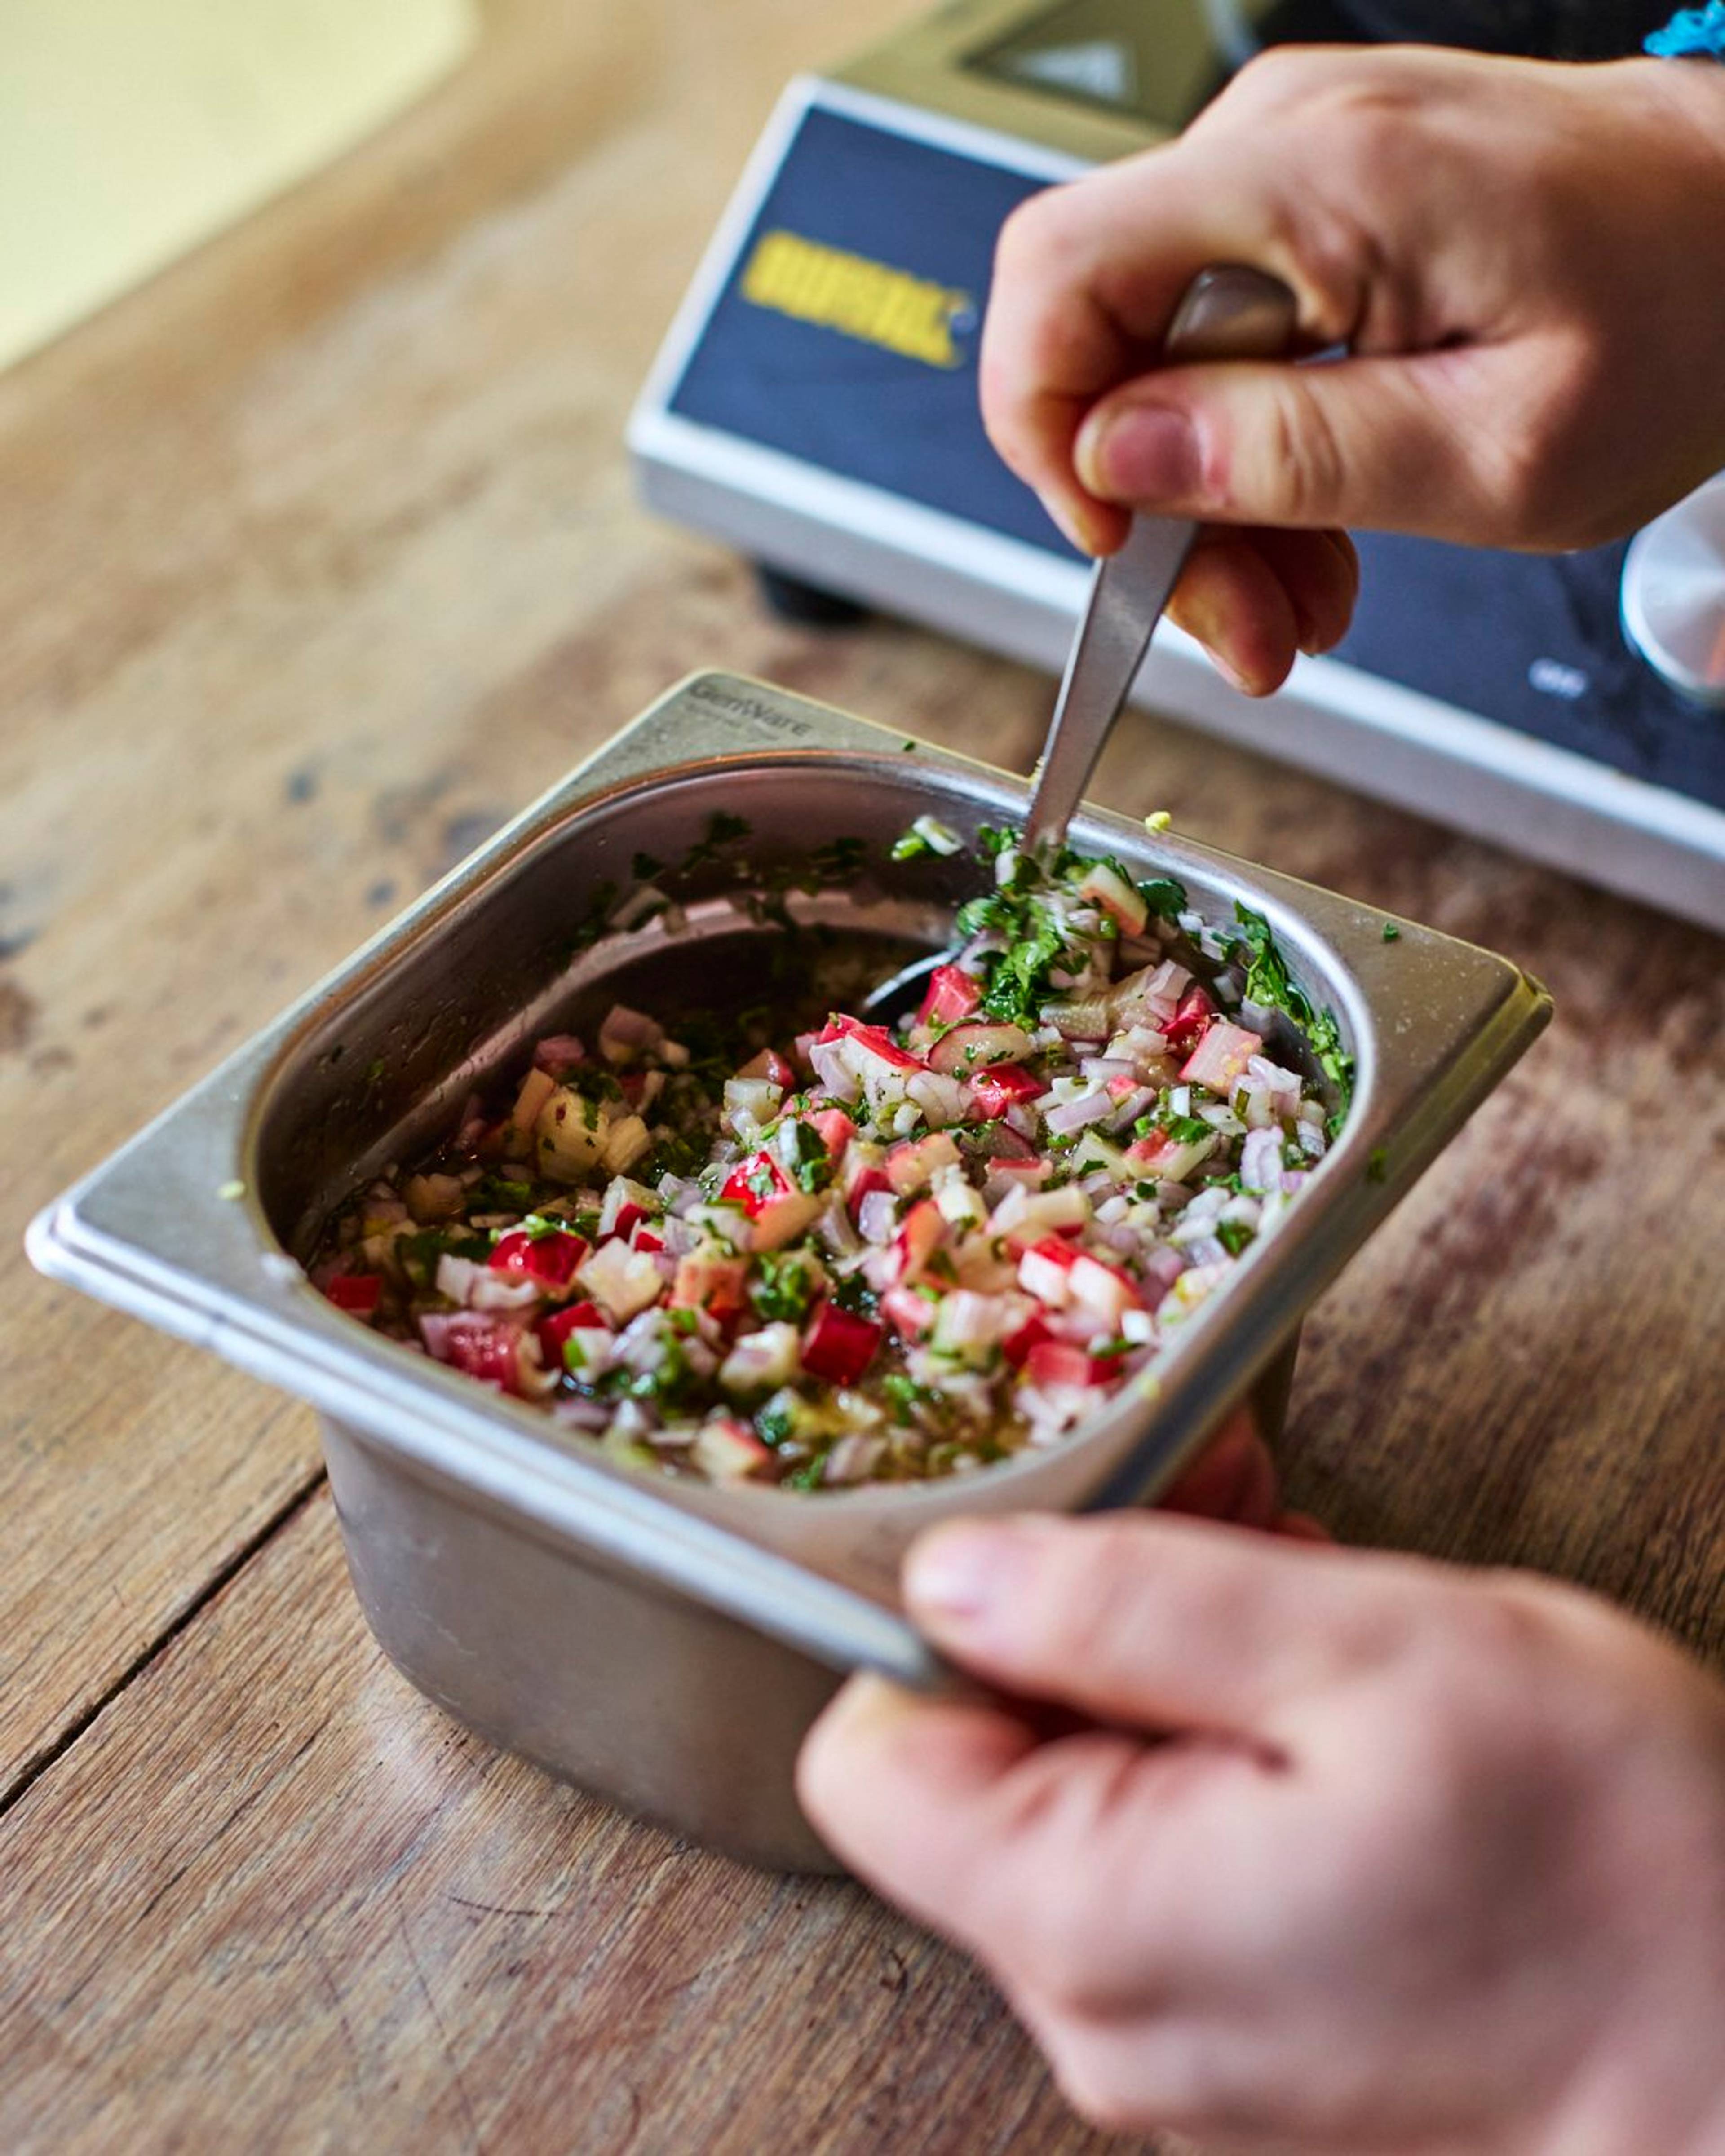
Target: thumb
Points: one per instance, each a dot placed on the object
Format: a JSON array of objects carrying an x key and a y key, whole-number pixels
[
  {"x": 1149, "y": 1621},
  {"x": 1378, "y": 443}
]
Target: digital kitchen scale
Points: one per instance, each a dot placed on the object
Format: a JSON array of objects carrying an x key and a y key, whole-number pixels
[{"x": 815, "y": 405}]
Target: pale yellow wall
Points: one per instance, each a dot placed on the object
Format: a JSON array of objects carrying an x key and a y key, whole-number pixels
[{"x": 130, "y": 130}]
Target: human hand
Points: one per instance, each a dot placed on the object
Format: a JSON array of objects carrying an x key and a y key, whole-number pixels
[
  {"x": 1527, "y": 262},
  {"x": 1361, "y": 1853}
]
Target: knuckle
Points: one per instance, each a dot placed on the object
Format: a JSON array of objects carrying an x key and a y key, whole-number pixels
[
  {"x": 1529, "y": 458},
  {"x": 1087, "y": 1584},
  {"x": 1033, "y": 237},
  {"x": 1305, "y": 471},
  {"x": 1279, "y": 77}
]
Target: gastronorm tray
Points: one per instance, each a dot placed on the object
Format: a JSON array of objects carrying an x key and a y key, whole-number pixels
[{"x": 666, "y": 1643}]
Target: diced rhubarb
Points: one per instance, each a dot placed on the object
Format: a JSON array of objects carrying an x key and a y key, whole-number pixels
[
  {"x": 1101, "y": 1291},
  {"x": 1122, "y": 901},
  {"x": 555, "y": 1330},
  {"x": 972, "y": 1048},
  {"x": 763, "y": 1362},
  {"x": 770, "y": 1066},
  {"x": 550, "y": 1259},
  {"x": 913, "y": 1165},
  {"x": 624, "y": 1206},
  {"x": 910, "y": 1313},
  {"x": 1191, "y": 1021},
  {"x": 1220, "y": 1060},
  {"x": 1060, "y": 1362},
  {"x": 863, "y": 1171},
  {"x": 1162, "y": 1158},
  {"x": 486, "y": 1347},
  {"x": 756, "y": 1183},
  {"x": 1001, "y": 1086},
  {"x": 838, "y": 1345},
  {"x": 625, "y": 1280},
  {"x": 835, "y": 1130},
  {"x": 714, "y": 1284},
  {"x": 872, "y": 1040},
  {"x": 952, "y": 994},
  {"x": 357, "y": 1293},
  {"x": 1025, "y": 1216},
  {"x": 726, "y": 1451},
  {"x": 918, "y": 1238},
  {"x": 783, "y": 1218},
  {"x": 1017, "y": 1345},
  {"x": 1045, "y": 1271}
]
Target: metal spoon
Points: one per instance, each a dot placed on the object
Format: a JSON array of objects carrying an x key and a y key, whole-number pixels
[
  {"x": 1228, "y": 313},
  {"x": 1231, "y": 312}
]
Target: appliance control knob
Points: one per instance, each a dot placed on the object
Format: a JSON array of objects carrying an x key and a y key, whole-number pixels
[{"x": 1674, "y": 594}]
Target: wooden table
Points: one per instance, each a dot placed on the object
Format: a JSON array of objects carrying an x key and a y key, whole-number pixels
[{"x": 319, "y": 558}]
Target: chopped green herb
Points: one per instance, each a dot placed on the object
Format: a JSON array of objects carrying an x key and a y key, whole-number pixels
[
  {"x": 1392, "y": 934},
  {"x": 1268, "y": 982},
  {"x": 1164, "y": 897},
  {"x": 784, "y": 1287},
  {"x": 1234, "y": 1236},
  {"x": 775, "y": 1426},
  {"x": 812, "y": 1166}
]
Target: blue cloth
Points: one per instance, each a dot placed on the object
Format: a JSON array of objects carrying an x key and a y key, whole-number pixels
[{"x": 1692, "y": 32}]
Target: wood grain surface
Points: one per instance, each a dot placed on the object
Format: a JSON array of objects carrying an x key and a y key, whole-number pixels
[{"x": 320, "y": 560}]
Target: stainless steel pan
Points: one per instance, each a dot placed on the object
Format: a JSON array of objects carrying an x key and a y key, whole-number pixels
[{"x": 667, "y": 1644}]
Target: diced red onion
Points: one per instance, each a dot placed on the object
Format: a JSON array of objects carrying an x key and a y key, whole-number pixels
[
  {"x": 1071, "y": 1116},
  {"x": 1261, "y": 1159},
  {"x": 592, "y": 1415},
  {"x": 833, "y": 1069},
  {"x": 877, "y": 1217}
]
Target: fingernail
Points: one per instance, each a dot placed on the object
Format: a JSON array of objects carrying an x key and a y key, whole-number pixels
[
  {"x": 965, "y": 1570},
  {"x": 1148, "y": 453}
]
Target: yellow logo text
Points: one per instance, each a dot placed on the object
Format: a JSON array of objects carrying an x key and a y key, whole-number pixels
[{"x": 907, "y": 315}]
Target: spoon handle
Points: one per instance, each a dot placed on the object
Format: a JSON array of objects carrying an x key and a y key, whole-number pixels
[{"x": 1232, "y": 312}]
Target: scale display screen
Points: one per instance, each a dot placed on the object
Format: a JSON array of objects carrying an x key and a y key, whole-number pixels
[
  {"x": 1160, "y": 66},
  {"x": 1163, "y": 64},
  {"x": 816, "y": 404}
]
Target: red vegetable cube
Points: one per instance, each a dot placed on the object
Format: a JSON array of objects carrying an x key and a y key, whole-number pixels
[
  {"x": 909, "y": 1313},
  {"x": 952, "y": 994},
  {"x": 769, "y": 1063},
  {"x": 1060, "y": 1362},
  {"x": 755, "y": 1183},
  {"x": 1001, "y": 1086},
  {"x": 555, "y": 1330},
  {"x": 484, "y": 1347},
  {"x": 919, "y": 1236},
  {"x": 838, "y": 1345},
  {"x": 1016, "y": 1345},
  {"x": 1045, "y": 1271},
  {"x": 714, "y": 1284},
  {"x": 357, "y": 1293},
  {"x": 726, "y": 1451},
  {"x": 550, "y": 1259},
  {"x": 872, "y": 1040},
  {"x": 1190, "y": 1022},
  {"x": 1221, "y": 1058},
  {"x": 835, "y": 1130}
]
